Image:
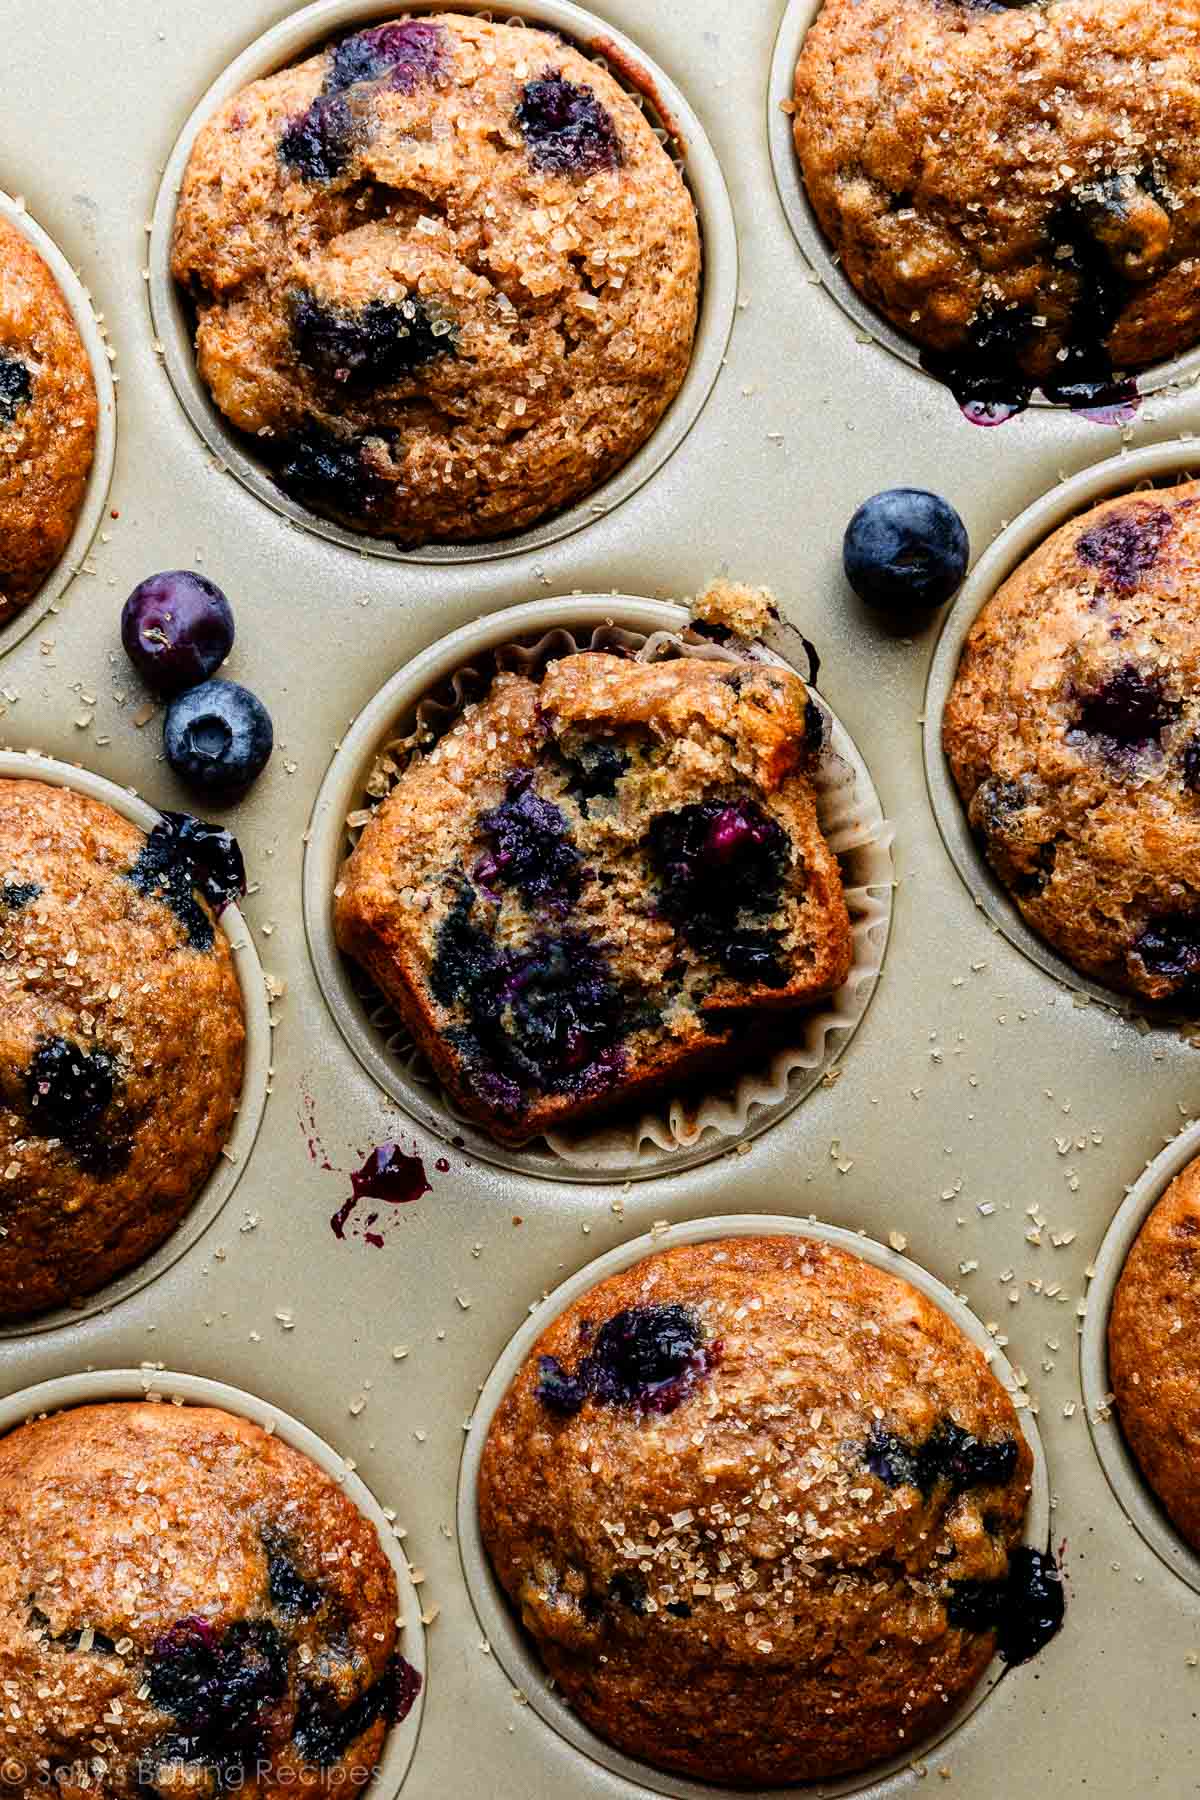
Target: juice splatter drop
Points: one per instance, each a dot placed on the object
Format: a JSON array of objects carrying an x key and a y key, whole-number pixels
[{"x": 390, "y": 1174}]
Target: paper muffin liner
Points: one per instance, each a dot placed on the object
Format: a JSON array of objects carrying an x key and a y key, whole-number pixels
[
  {"x": 852, "y": 822},
  {"x": 154, "y": 1385}
]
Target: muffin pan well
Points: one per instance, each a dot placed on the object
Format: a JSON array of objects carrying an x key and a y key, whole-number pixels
[
  {"x": 977, "y": 1086},
  {"x": 307, "y": 31},
  {"x": 496, "y": 1616},
  {"x": 1180, "y": 373},
  {"x": 160, "y": 1387},
  {"x": 219, "y": 1187},
  {"x": 673, "y": 1135},
  {"x": 100, "y": 478}
]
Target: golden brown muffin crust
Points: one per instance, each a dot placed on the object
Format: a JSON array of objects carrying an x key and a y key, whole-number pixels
[
  {"x": 680, "y": 734},
  {"x": 48, "y": 415},
  {"x": 135, "y": 1539},
  {"x": 1073, "y": 733},
  {"x": 139, "y": 1032},
  {"x": 809, "y": 1634},
  {"x": 1036, "y": 164},
  {"x": 551, "y": 304},
  {"x": 1153, "y": 1354}
]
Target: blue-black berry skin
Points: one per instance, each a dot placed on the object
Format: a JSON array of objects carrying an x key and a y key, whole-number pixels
[
  {"x": 905, "y": 550},
  {"x": 177, "y": 629},
  {"x": 16, "y": 387},
  {"x": 218, "y": 738}
]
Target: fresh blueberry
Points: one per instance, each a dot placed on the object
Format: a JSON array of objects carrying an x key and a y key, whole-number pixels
[
  {"x": 218, "y": 737},
  {"x": 177, "y": 629},
  {"x": 16, "y": 387},
  {"x": 566, "y": 130},
  {"x": 905, "y": 549}
]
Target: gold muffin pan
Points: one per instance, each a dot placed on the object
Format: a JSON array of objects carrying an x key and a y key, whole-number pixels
[{"x": 984, "y": 1121}]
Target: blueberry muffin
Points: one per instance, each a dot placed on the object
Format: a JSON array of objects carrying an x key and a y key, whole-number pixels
[
  {"x": 193, "y": 1602},
  {"x": 1016, "y": 187},
  {"x": 445, "y": 276},
  {"x": 1073, "y": 732},
  {"x": 599, "y": 883},
  {"x": 48, "y": 415},
  {"x": 759, "y": 1506},
  {"x": 121, "y": 1037},
  {"x": 1153, "y": 1360}
]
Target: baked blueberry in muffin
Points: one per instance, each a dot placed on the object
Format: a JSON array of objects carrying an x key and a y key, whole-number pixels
[
  {"x": 48, "y": 415},
  {"x": 121, "y": 1036},
  {"x": 445, "y": 275},
  {"x": 1073, "y": 733},
  {"x": 759, "y": 1506},
  {"x": 192, "y": 1602},
  {"x": 1153, "y": 1364},
  {"x": 600, "y": 882},
  {"x": 1014, "y": 187}
]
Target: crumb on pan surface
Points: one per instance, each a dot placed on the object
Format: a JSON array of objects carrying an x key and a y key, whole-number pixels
[
  {"x": 601, "y": 883},
  {"x": 445, "y": 276},
  {"x": 122, "y": 1043},
  {"x": 188, "y": 1598},
  {"x": 48, "y": 417},
  {"x": 743, "y": 1496},
  {"x": 1073, "y": 734}
]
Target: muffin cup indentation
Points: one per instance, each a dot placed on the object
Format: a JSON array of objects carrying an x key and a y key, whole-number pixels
[
  {"x": 306, "y": 31},
  {"x": 98, "y": 1385},
  {"x": 104, "y": 452},
  {"x": 1137, "y": 1500},
  {"x": 1179, "y": 373},
  {"x": 667, "y": 1137},
  {"x": 514, "y": 1651},
  {"x": 1157, "y": 465},
  {"x": 212, "y": 1197}
]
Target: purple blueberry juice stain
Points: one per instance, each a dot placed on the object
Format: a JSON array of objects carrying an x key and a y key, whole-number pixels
[
  {"x": 649, "y": 1358},
  {"x": 566, "y": 130},
  {"x": 1025, "y": 1610},
  {"x": 390, "y": 1174},
  {"x": 1126, "y": 545}
]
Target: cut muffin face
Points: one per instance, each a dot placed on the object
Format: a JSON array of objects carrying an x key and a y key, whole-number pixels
[
  {"x": 193, "y": 1601},
  {"x": 1016, "y": 188},
  {"x": 48, "y": 416},
  {"x": 122, "y": 1037},
  {"x": 599, "y": 883},
  {"x": 1154, "y": 1368},
  {"x": 1073, "y": 733},
  {"x": 759, "y": 1506},
  {"x": 445, "y": 276}
]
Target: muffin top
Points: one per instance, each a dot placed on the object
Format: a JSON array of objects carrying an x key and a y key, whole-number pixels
[
  {"x": 192, "y": 1600},
  {"x": 759, "y": 1504},
  {"x": 588, "y": 883},
  {"x": 1073, "y": 732},
  {"x": 121, "y": 1037},
  {"x": 1016, "y": 187},
  {"x": 445, "y": 274},
  {"x": 1153, "y": 1353},
  {"x": 48, "y": 415}
]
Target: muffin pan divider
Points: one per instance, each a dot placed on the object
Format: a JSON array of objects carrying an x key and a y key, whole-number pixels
[{"x": 976, "y": 1088}]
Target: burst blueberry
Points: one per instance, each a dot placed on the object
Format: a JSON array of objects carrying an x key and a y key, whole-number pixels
[
  {"x": 713, "y": 862},
  {"x": 950, "y": 1455},
  {"x": 566, "y": 129},
  {"x": 905, "y": 549},
  {"x": 319, "y": 145},
  {"x": 68, "y": 1089},
  {"x": 408, "y": 54},
  {"x": 1025, "y": 1610},
  {"x": 334, "y": 473},
  {"x": 182, "y": 854},
  {"x": 14, "y": 895},
  {"x": 16, "y": 387},
  {"x": 291, "y": 1594},
  {"x": 1170, "y": 947},
  {"x": 529, "y": 847},
  {"x": 216, "y": 1687},
  {"x": 1129, "y": 708},
  {"x": 1125, "y": 546},
  {"x": 648, "y": 1357},
  {"x": 372, "y": 347},
  {"x": 323, "y": 1732}
]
